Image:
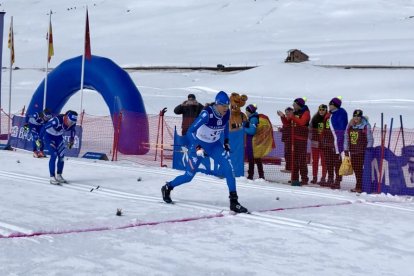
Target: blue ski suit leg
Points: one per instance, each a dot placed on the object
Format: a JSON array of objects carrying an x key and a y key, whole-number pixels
[
  {"x": 218, "y": 154},
  {"x": 56, "y": 147},
  {"x": 35, "y": 130}
]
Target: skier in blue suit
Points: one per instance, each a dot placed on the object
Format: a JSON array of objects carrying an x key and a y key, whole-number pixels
[
  {"x": 204, "y": 141},
  {"x": 52, "y": 134},
  {"x": 34, "y": 124}
]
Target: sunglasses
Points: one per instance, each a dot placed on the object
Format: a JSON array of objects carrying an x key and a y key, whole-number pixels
[{"x": 322, "y": 109}]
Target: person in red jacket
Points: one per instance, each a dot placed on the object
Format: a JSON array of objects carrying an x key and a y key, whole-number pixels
[{"x": 300, "y": 124}]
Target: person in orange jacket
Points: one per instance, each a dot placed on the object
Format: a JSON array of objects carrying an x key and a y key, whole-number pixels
[{"x": 300, "y": 123}]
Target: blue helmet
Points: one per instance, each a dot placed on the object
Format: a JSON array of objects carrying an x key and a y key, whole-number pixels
[
  {"x": 46, "y": 114},
  {"x": 72, "y": 116},
  {"x": 222, "y": 98}
]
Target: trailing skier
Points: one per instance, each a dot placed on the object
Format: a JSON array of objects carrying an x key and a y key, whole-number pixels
[{"x": 52, "y": 134}]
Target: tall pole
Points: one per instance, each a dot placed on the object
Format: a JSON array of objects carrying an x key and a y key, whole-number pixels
[
  {"x": 10, "y": 77},
  {"x": 47, "y": 58},
  {"x": 1, "y": 55},
  {"x": 83, "y": 58}
]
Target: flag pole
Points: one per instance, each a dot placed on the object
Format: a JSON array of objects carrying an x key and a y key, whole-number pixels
[
  {"x": 49, "y": 55},
  {"x": 83, "y": 58},
  {"x": 10, "y": 77}
]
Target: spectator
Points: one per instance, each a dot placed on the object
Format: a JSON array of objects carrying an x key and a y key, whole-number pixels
[
  {"x": 286, "y": 138},
  {"x": 250, "y": 128},
  {"x": 332, "y": 140},
  {"x": 300, "y": 123},
  {"x": 190, "y": 109},
  {"x": 358, "y": 138},
  {"x": 316, "y": 128}
]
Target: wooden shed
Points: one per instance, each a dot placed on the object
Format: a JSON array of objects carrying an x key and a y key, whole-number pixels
[{"x": 296, "y": 55}]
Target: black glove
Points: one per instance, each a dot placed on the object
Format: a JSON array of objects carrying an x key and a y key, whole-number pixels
[
  {"x": 71, "y": 143},
  {"x": 26, "y": 127},
  {"x": 162, "y": 112},
  {"x": 226, "y": 145}
]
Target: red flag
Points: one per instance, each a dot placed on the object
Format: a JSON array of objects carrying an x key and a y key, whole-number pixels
[
  {"x": 88, "y": 54},
  {"x": 11, "y": 42},
  {"x": 50, "y": 51}
]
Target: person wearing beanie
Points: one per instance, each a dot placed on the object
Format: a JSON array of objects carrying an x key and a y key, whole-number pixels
[
  {"x": 316, "y": 128},
  {"x": 250, "y": 128},
  {"x": 299, "y": 101},
  {"x": 299, "y": 120},
  {"x": 204, "y": 137},
  {"x": 332, "y": 141},
  {"x": 358, "y": 137},
  {"x": 286, "y": 138},
  {"x": 337, "y": 102},
  {"x": 189, "y": 109}
]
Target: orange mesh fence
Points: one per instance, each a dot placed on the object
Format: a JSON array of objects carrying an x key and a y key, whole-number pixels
[{"x": 159, "y": 145}]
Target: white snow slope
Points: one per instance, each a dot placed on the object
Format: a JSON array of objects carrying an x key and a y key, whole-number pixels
[{"x": 73, "y": 229}]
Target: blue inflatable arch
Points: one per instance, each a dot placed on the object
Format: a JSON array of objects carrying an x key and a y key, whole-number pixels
[{"x": 117, "y": 89}]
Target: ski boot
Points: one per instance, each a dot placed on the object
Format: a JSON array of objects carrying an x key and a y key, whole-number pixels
[
  {"x": 54, "y": 181},
  {"x": 60, "y": 179},
  {"x": 235, "y": 206},
  {"x": 165, "y": 191}
]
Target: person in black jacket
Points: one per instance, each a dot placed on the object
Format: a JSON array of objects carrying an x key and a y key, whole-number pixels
[
  {"x": 316, "y": 128},
  {"x": 190, "y": 109}
]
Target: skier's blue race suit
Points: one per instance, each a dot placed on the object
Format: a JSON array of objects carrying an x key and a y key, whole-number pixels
[
  {"x": 52, "y": 134},
  {"x": 205, "y": 132},
  {"x": 35, "y": 123}
]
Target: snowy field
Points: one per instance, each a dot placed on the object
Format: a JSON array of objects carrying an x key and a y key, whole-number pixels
[
  {"x": 310, "y": 231},
  {"x": 73, "y": 229}
]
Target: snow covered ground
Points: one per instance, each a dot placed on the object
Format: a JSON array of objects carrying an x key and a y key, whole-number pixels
[
  {"x": 310, "y": 231},
  {"x": 73, "y": 230}
]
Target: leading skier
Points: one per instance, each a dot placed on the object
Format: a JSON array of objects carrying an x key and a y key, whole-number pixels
[{"x": 204, "y": 142}]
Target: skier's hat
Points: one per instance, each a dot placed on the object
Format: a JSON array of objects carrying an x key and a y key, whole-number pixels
[
  {"x": 222, "y": 98},
  {"x": 72, "y": 116}
]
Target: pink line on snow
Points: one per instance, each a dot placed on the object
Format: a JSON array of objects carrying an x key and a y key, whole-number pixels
[
  {"x": 131, "y": 225},
  {"x": 154, "y": 223}
]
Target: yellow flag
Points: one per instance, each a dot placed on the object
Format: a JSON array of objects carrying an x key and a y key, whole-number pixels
[
  {"x": 11, "y": 42},
  {"x": 51, "y": 52}
]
